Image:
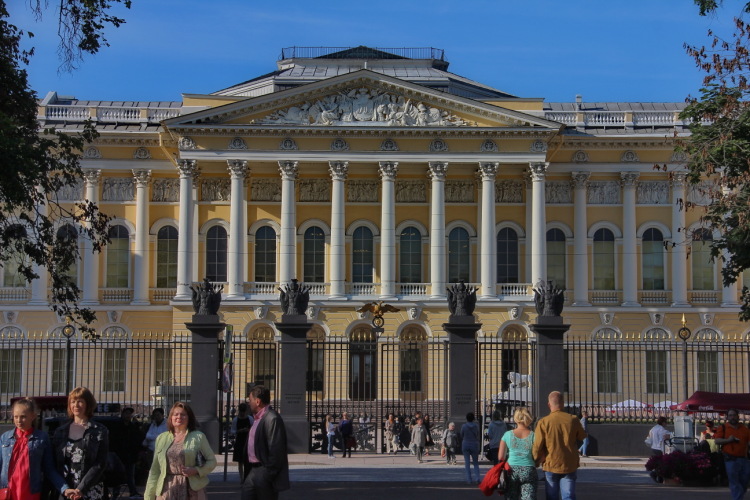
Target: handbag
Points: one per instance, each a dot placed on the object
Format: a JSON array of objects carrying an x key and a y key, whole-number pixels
[
  {"x": 4, "y": 494},
  {"x": 442, "y": 451}
]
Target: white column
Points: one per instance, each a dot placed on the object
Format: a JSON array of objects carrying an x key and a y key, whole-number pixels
[
  {"x": 729, "y": 293},
  {"x": 188, "y": 171},
  {"x": 679, "y": 250},
  {"x": 141, "y": 260},
  {"x": 40, "y": 285},
  {"x": 488, "y": 239},
  {"x": 580, "y": 240},
  {"x": 338, "y": 171},
  {"x": 629, "y": 243},
  {"x": 539, "y": 224},
  {"x": 195, "y": 227},
  {"x": 388, "y": 171},
  {"x": 529, "y": 226},
  {"x": 288, "y": 246},
  {"x": 237, "y": 258},
  {"x": 90, "y": 258},
  {"x": 437, "y": 172}
]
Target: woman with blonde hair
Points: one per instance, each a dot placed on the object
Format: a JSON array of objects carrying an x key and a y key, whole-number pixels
[
  {"x": 81, "y": 447},
  {"x": 517, "y": 444},
  {"x": 182, "y": 459}
]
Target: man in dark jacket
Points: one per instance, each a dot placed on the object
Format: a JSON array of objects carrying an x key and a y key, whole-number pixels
[{"x": 268, "y": 465}]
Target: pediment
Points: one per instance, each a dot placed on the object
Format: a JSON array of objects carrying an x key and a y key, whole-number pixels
[{"x": 359, "y": 99}]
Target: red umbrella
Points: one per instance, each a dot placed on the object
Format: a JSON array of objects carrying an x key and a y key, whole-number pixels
[{"x": 714, "y": 402}]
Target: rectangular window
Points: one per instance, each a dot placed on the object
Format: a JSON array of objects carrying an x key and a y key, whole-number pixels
[
  {"x": 113, "y": 374},
  {"x": 57, "y": 376},
  {"x": 653, "y": 265},
  {"x": 163, "y": 366},
  {"x": 315, "y": 369},
  {"x": 411, "y": 370},
  {"x": 606, "y": 371},
  {"x": 166, "y": 263},
  {"x": 604, "y": 265},
  {"x": 708, "y": 371},
  {"x": 656, "y": 372},
  {"x": 556, "y": 262},
  {"x": 10, "y": 371},
  {"x": 118, "y": 260},
  {"x": 264, "y": 367}
]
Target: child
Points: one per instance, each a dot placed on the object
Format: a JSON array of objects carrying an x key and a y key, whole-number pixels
[
  {"x": 450, "y": 442},
  {"x": 419, "y": 438}
]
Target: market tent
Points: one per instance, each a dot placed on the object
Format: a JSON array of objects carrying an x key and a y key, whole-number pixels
[
  {"x": 629, "y": 404},
  {"x": 714, "y": 402}
]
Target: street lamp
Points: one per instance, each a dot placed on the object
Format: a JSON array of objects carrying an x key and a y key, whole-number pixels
[
  {"x": 684, "y": 333},
  {"x": 68, "y": 330}
]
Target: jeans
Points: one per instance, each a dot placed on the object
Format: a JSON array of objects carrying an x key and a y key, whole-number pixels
[
  {"x": 584, "y": 449},
  {"x": 738, "y": 474},
  {"x": 471, "y": 453},
  {"x": 560, "y": 486},
  {"x": 330, "y": 444}
]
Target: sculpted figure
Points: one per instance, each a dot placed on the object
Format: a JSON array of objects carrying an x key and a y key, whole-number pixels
[
  {"x": 461, "y": 299},
  {"x": 294, "y": 298},
  {"x": 206, "y": 297},
  {"x": 548, "y": 299}
]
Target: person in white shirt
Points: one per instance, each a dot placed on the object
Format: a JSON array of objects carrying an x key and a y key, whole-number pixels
[
  {"x": 656, "y": 438},
  {"x": 157, "y": 426}
]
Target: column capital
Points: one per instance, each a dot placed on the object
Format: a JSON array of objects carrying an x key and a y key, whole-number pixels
[
  {"x": 437, "y": 170},
  {"x": 237, "y": 169},
  {"x": 338, "y": 170},
  {"x": 142, "y": 177},
  {"x": 679, "y": 179},
  {"x": 187, "y": 168},
  {"x": 629, "y": 179},
  {"x": 580, "y": 179},
  {"x": 388, "y": 170},
  {"x": 488, "y": 170},
  {"x": 538, "y": 169},
  {"x": 92, "y": 176},
  {"x": 288, "y": 169}
]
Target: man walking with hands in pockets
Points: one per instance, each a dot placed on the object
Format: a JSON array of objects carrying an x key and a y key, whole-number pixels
[{"x": 556, "y": 448}]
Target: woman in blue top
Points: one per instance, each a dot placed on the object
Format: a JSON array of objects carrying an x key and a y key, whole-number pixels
[
  {"x": 517, "y": 445},
  {"x": 470, "y": 446}
]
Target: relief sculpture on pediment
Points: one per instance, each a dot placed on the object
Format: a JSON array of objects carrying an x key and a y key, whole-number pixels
[{"x": 363, "y": 106}]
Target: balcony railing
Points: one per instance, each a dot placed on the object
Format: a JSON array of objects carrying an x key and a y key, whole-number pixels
[
  {"x": 704, "y": 296},
  {"x": 162, "y": 295},
  {"x": 108, "y": 114},
  {"x": 119, "y": 295},
  {"x": 514, "y": 290},
  {"x": 261, "y": 288},
  {"x": 412, "y": 288},
  {"x": 14, "y": 294},
  {"x": 655, "y": 297},
  {"x": 608, "y": 297},
  {"x": 363, "y": 288},
  {"x": 617, "y": 119}
]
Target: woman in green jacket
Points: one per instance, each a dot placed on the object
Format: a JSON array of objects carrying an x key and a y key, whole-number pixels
[{"x": 182, "y": 459}]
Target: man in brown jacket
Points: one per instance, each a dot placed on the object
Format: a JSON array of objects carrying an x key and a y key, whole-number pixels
[{"x": 556, "y": 448}]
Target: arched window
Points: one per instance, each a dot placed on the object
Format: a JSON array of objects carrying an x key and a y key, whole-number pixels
[
  {"x": 459, "y": 257},
  {"x": 216, "y": 254},
  {"x": 68, "y": 236},
  {"x": 362, "y": 255},
  {"x": 507, "y": 256},
  {"x": 118, "y": 257},
  {"x": 265, "y": 255},
  {"x": 261, "y": 356},
  {"x": 556, "y": 256},
  {"x": 604, "y": 260},
  {"x": 700, "y": 254},
  {"x": 166, "y": 257},
  {"x": 314, "y": 263},
  {"x": 652, "y": 259},
  {"x": 15, "y": 257},
  {"x": 410, "y": 255}
]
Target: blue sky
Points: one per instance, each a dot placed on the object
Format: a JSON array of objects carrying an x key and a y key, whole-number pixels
[{"x": 605, "y": 50}]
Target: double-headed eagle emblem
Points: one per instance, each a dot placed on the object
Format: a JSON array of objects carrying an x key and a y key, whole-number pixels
[{"x": 377, "y": 309}]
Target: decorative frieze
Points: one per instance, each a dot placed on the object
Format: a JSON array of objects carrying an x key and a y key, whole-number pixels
[
  {"x": 265, "y": 190},
  {"x": 558, "y": 192},
  {"x": 166, "y": 190},
  {"x": 118, "y": 189},
  {"x": 314, "y": 190},
  {"x": 411, "y": 191},
  {"x": 71, "y": 192},
  {"x": 603, "y": 193},
  {"x": 216, "y": 189},
  {"x": 509, "y": 191},
  {"x": 459, "y": 191},
  {"x": 652, "y": 193},
  {"x": 362, "y": 191}
]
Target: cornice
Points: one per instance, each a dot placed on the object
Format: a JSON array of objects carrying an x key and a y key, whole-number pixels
[
  {"x": 363, "y": 156},
  {"x": 667, "y": 143}
]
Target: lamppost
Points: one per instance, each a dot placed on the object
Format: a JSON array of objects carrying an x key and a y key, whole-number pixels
[
  {"x": 68, "y": 330},
  {"x": 684, "y": 333}
]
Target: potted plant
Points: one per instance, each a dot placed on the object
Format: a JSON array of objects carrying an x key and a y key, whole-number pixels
[{"x": 693, "y": 468}]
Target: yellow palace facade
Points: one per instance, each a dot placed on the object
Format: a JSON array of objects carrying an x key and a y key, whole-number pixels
[{"x": 377, "y": 174}]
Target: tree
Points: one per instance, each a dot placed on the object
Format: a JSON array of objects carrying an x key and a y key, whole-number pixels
[{"x": 38, "y": 163}]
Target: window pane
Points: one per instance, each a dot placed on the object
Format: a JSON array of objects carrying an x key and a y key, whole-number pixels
[
  {"x": 459, "y": 257},
  {"x": 57, "y": 377},
  {"x": 556, "y": 257},
  {"x": 114, "y": 370},
  {"x": 118, "y": 258},
  {"x": 163, "y": 366},
  {"x": 264, "y": 367},
  {"x": 656, "y": 372},
  {"x": 216, "y": 254},
  {"x": 410, "y": 256},
  {"x": 708, "y": 371},
  {"x": 67, "y": 235},
  {"x": 507, "y": 256},
  {"x": 10, "y": 371},
  {"x": 315, "y": 369},
  {"x": 606, "y": 371},
  {"x": 604, "y": 260},
  {"x": 700, "y": 254},
  {"x": 314, "y": 263},
  {"x": 363, "y": 255},
  {"x": 166, "y": 257},
  {"x": 11, "y": 267},
  {"x": 265, "y": 255},
  {"x": 652, "y": 258},
  {"x": 411, "y": 369}
]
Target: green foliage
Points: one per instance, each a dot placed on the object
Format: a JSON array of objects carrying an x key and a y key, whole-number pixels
[
  {"x": 37, "y": 163},
  {"x": 719, "y": 146}
]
